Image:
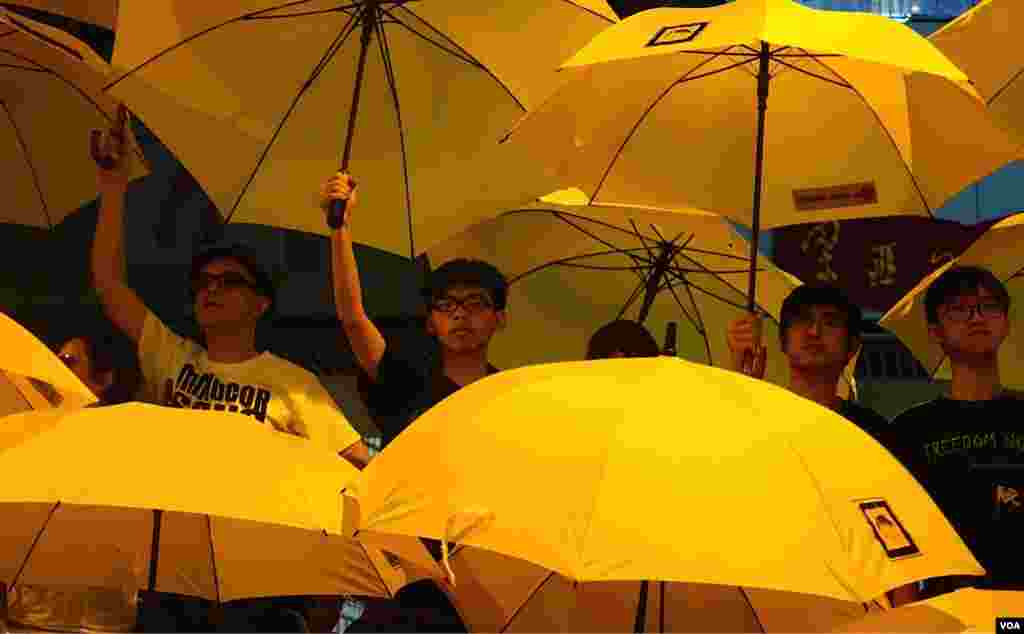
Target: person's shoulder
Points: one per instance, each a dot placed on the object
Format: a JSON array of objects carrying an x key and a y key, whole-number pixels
[{"x": 921, "y": 412}]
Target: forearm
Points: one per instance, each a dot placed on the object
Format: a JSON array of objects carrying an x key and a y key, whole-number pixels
[
  {"x": 108, "y": 267},
  {"x": 348, "y": 292}
]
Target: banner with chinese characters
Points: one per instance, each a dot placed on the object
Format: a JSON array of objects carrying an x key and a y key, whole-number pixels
[{"x": 876, "y": 261}]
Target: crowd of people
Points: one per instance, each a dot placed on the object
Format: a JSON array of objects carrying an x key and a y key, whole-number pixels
[{"x": 972, "y": 473}]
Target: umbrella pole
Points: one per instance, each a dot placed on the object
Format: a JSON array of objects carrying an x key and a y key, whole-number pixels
[
  {"x": 762, "y": 105},
  {"x": 336, "y": 216},
  {"x": 154, "y": 548},
  {"x": 653, "y": 282},
  {"x": 640, "y": 625}
]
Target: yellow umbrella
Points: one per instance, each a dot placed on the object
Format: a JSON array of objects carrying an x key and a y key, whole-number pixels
[
  {"x": 51, "y": 91},
  {"x": 498, "y": 593},
  {"x": 984, "y": 43},
  {"x": 32, "y": 377},
  {"x": 408, "y": 91},
  {"x": 997, "y": 250},
  {"x": 966, "y": 610},
  {"x": 768, "y": 112},
  {"x": 661, "y": 469},
  {"x": 99, "y": 12},
  {"x": 201, "y": 504},
  {"x": 574, "y": 268}
]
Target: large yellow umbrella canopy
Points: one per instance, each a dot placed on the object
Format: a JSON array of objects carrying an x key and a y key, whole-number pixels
[
  {"x": 99, "y": 12},
  {"x": 984, "y": 43},
  {"x": 661, "y": 469},
  {"x": 997, "y": 250},
  {"x": 573, "y": 269},
  {"x": 966, "y": 610},
  {"x": 51, "y": 91},
  {"x": 414, "y": 93},
  {"x": 767, "y": 112},
  {"x": 498, "y": 593},
  {"x": 32, "y": 377},
  {"x": 204, "y": 504}
]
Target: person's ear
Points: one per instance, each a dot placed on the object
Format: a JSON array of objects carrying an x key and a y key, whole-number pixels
[{"x": 502, "y": 317}]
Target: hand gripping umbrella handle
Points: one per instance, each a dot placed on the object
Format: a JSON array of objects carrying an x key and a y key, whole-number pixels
[{"x": 336, "y": 214}]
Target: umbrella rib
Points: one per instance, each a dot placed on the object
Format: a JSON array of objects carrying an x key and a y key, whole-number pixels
[
  {"x": 589, "y": 234},
  {"x": 654, "y": 104},
  {"x": 35, "y": 542},
  {"x": 477, "y": 62},
  {"x": 196, "y": 36},
  {"x": 633, "y": 296},
  {"x": 841, "y": 84},
  {"x": 389, "y": 73},
  {"x": 49, "y": 40},
  {"x": 457, "y": 53},
  {"x": 562, "y": 262},
  {"x": 750, "y": 604},
  {"x": 999, "y": 93},
  {"x": 695, "y": 320},
  {"x": 332, "y": 50},
  {"x": 213, "y": 557},
  {"x": 910, "y": 173},
  {"x": 366, "y": 552},
  {"x": 590, "y": 11},
  {"x": 25, "y": 68},
  {"x": 28, "y": 159},
  {"x": 303, "y": 14},
  {"x": 529, "y": 597}
]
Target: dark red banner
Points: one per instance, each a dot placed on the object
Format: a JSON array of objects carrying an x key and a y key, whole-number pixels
[{"x": 875, "y": 261}]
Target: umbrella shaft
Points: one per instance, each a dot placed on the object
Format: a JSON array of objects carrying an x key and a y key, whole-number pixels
[
  {"x": 154, "y": 549},
  {"x": 369, "y": 18},
  {"x": 762, "y": 106}
]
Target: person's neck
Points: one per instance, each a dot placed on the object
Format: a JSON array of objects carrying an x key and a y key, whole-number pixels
[
  {"x": 976, "y": 381},
  {"x": 464, "y": 368},
  {"x": 818, "y": 386},
  {"x": 231, "y": 345}
]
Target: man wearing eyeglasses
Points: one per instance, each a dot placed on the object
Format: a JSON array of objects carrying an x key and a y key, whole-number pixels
[
  {"x": 224, "y": 371},
  {"x": 963, "y": 446},
  {"x": 466, "y": 307}
]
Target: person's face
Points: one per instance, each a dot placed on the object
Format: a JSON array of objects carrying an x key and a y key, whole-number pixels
[
  {"x": 75, "y": 354},
  {"x": 225, "y": 294},
  {"x": 464, "y": 319},
  {"x": 818, "y": 338},
  {"x": 971, "y": 325}
]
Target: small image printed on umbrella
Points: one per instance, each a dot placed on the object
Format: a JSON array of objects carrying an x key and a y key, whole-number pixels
[
  {"x": 887, "y": 529},
  {"x": 677, "y": 34}
]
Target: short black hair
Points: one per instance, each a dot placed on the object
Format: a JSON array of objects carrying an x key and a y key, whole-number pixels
[
  {"x": 464, "y": 272},
  {"x": 625, "y": 336},
  {"x": 804, "y": 297},
  {"x": 241, "y": 254},
  {"x": 113, "y": 352},
  {"x": 962, "y": 280}
]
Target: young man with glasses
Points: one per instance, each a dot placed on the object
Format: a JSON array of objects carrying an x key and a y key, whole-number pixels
[
  {"x": 224, "y": 372},
  {"x": 466, "y": 307},
  {"x": 963, "y": 446}
]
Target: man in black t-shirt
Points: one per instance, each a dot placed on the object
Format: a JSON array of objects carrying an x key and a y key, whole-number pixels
[
  {"x": 466, "y": 307},
  {"x": 967, "y": 448},
  {"x": 819, "y": 329}
]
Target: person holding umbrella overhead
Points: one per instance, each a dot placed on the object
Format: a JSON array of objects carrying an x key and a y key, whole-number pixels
[
  {"x": 231, "y": 294},
  {"x": 949, "y": 443},
  {"x": 820, "y": 333}
]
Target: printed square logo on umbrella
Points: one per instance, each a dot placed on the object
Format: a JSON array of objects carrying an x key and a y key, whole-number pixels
[{"x": 888, "y": 530}]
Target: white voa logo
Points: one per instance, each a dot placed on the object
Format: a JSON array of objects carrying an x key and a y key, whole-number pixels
[{"x": 1008, "y": 625}]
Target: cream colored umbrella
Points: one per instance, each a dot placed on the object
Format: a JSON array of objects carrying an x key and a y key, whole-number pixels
[
  {"x": 662, "y": 470},
  {"x": 997, "y": 250},
  {"x": 768, "y": 112},
  {"x": 32, "y": 377},
  {"x": 574, "y": 268},
  {"x": 410, "y": 97},
  {"x": 984, "y": 43},
  {"x": 205, "y": 504},
  {"x": 99, "y": 12},
  {"x": 51, "y": 97}
]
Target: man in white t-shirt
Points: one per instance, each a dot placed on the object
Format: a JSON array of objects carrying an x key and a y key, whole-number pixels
[{"x": 225, "y": 372}]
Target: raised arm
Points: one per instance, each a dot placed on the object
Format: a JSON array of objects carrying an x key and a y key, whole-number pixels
[
  {"x": 122, "y": 305},
  {"x": 366, "y": 341}
]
